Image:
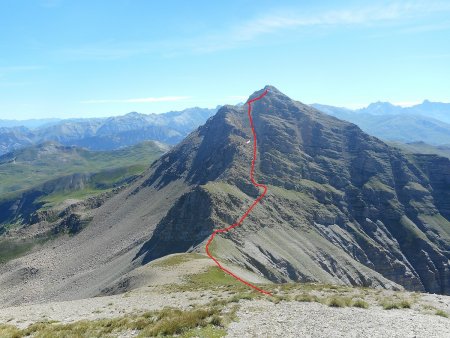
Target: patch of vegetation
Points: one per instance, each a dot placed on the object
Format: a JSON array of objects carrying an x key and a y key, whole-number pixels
[
  {"x": 438, "y": 223},
  {"x": 209, "y": 331},
  {"x": 441, "y": 313},
  {"x": 174, "y": 321},
  {"x": 207, "y": 321},
  {"x": 428, "y": 307},
  {"x": 319, "y": 186},
  {"x": 361, "y": 304},
  {"x": 178, "y": 259},
  {"x": 390, "y": 304},
  {"x": 35, "y": 165},
  {"x": 45, "y": 176},
  {"x": 213, "y": 278},
  {"x": 220, "y": 187},
  {"x": 98, "y": 183},
  {"x": 305, "y": 297},
  {"x": 246, "y": 296},
  {"x": 58, "y": 197},
  {"x": 332, "y": 301},
  {"x": 337, "y": 301},
  {"x": 278, "y": 298},
  {"x": 10, "y": 249},
  {"x": 375, "y": 184},
  {"x": 305, "y": 287},
  {"x": 10, "y": 331}
]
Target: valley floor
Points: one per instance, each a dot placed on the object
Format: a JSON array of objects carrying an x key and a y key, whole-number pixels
[{"x": 198, "y": 300}]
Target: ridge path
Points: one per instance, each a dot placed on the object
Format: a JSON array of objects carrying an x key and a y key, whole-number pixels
[{"x": 247, "y": 212}]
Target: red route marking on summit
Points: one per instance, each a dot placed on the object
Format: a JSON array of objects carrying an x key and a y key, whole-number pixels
[{"x": 255, "y": 202}]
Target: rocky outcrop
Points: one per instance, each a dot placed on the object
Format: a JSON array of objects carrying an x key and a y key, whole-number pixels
[{"x": 194, "y": 208}]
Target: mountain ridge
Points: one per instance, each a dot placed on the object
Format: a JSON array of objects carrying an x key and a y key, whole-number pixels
[
  {"x": 395, "y": 123},
  {"x": 436, "y": 110},
  {"x": 108, "y": 133}
]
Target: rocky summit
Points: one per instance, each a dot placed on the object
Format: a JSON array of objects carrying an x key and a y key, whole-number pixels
[{"x": 342, "y": 206}]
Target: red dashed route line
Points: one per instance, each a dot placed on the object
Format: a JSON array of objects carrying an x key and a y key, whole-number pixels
[{"x": 255, "y": 202}]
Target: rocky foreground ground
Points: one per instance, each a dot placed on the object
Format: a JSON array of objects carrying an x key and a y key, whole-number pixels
[{"x": 185, "y": 295}]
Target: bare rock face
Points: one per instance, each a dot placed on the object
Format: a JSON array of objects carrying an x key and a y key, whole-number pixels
[{"x": 342, "y": 206}]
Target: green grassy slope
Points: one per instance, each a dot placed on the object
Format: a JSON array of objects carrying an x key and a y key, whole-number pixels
[
  {"x": 44, "y": 176},
  {"x": 31, "y": 166}
]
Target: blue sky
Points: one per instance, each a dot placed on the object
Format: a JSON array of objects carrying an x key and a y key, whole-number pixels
[{"x": 61, "y": 58}]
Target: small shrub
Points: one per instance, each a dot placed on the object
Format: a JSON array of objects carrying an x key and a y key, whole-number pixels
[
  {"x": 390, "y": 305},
  {"x": 237, "y": 297},
  {"x": 360, "y": 303},
  {"x": 441, "y": 313},
  {"x": 9, "y": 331},
  {"x": 177, "y": 322},
  {"x": 216, "y": 320},
  {"x": 304, "y": 297},
  {"x": 428, "y": 307},
  {"x": 339, "y": 302}
]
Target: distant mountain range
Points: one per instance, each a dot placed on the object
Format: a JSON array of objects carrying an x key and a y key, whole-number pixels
[
  {"x": 423, "y": 148},
  {"x": 104, "y": 133},
  {"x": 436, "y": 110},
  {"x": 427, "y": 122},
  {"x": 31, "y": 124}
]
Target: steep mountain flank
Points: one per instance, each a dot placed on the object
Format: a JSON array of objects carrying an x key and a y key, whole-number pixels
[{"x": 342, "y": 205}]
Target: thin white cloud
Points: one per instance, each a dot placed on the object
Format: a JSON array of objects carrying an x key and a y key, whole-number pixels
[
  {"x": 140, "y": 100},
  {"x": 269, "y": 24},
  {"x": 393, "y": 12}
]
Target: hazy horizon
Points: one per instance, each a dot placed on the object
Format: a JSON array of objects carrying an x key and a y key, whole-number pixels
[{"x": 356, "y": 107}]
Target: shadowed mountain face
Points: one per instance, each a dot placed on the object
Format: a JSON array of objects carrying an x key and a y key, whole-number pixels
[{"x": 342, "y": 206}]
